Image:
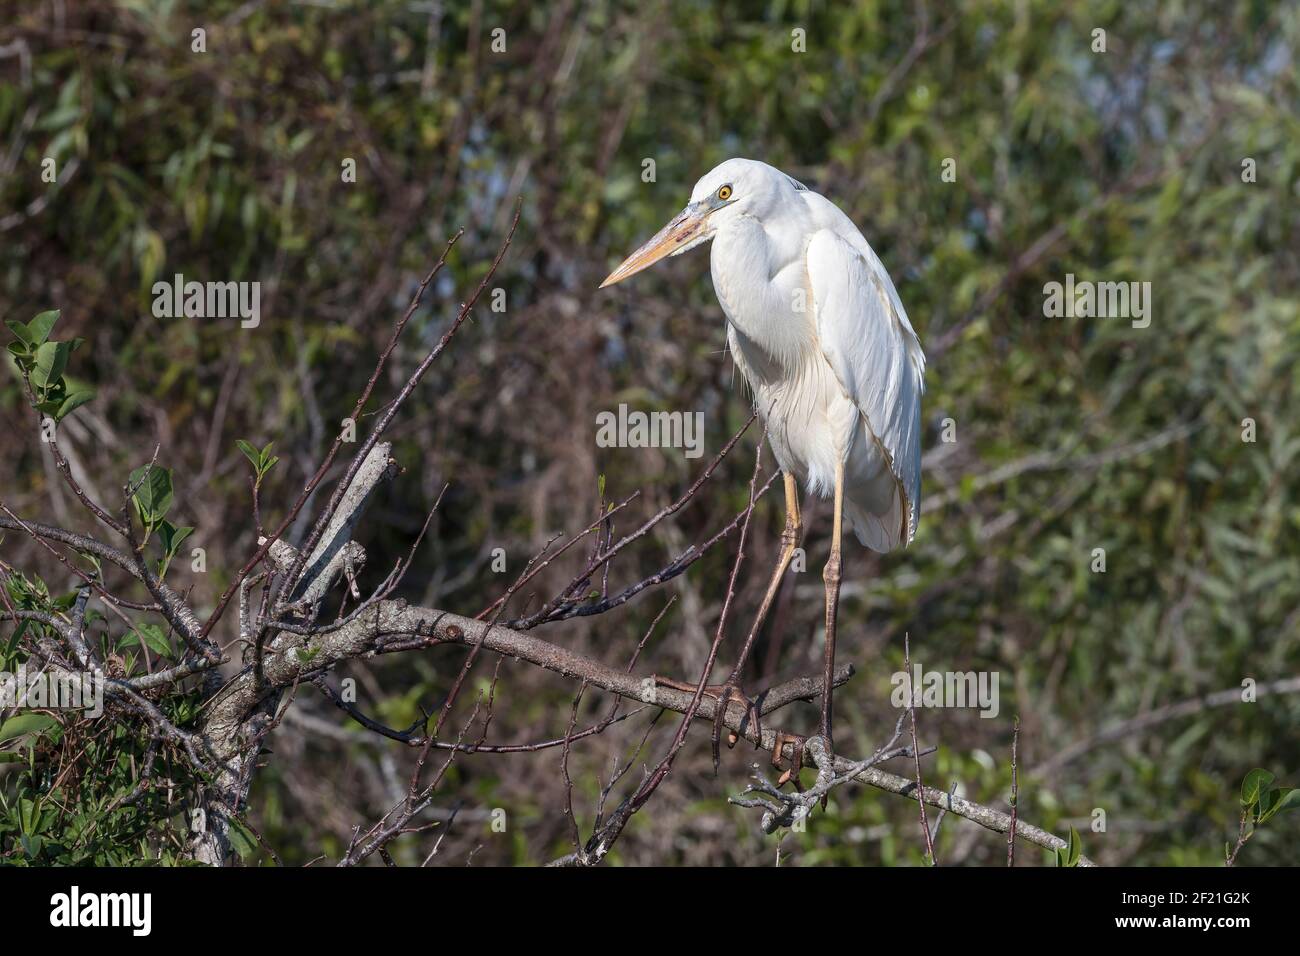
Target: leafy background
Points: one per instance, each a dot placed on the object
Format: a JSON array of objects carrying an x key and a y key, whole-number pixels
[{"x": 1072, "y": 434}]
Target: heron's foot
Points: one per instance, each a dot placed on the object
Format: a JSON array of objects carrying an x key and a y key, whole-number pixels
[
  {"x": 725, "y": 694},
  {"x": 791, "y": 773}
]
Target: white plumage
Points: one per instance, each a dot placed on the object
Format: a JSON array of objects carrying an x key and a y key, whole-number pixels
[{"x": 819, "y": 335}]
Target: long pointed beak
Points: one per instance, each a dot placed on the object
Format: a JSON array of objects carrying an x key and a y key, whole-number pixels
[{"x": 684, "y": 231}]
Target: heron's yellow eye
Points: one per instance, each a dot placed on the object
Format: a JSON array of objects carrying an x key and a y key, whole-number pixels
[{"x": 724, "y": 193}]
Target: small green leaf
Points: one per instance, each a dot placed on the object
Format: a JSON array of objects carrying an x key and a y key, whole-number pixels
[
  {"x": 1291, "y": 801},
  {"x": 1275, "y": 801},
  {"x": 28, "y": 814},
  {"x": 242, "y": 841},
  {"x": 40, "y": 327},
  {"x": 73, "y": 401},
  {"x": 1253, "y": 784},
  {"x": 154, "y": 638},
  {"x": 251, "y": 453},
  {"x": 1266, "y": 799},
  {"x": 172, "y": 536},
  {"x": 13, "y": 641},
  {"x": 24, "y": 724},
  {"x": 51, "y": 360},
  {"x": 20, "y": 329},
  {"x": 262, "y": 459},
  {"x": 1070, "y": 854},
  {"x": 153, "y": 495}
]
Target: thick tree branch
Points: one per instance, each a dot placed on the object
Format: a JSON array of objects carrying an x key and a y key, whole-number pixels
[{"x": 393, "y": 625}]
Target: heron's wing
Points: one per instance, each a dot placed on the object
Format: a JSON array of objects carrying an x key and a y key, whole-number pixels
[{"x": 875, "y": 354}]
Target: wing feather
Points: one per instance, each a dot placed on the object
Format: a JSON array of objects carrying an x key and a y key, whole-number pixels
[{"x": 870, "y": 344}]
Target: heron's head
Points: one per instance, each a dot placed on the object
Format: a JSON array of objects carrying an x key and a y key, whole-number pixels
[{"x": 736, "y": 188}]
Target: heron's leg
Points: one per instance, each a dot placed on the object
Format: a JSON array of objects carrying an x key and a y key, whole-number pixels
[
  {"x": 789, "y": 541},
  {"x": 831, "y": 575}
]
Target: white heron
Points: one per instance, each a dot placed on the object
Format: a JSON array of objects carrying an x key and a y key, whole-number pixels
[{"x": 834, "y": 367}]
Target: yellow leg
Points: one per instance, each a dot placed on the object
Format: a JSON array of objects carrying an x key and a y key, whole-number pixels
[
  {"x": 789, "y": 541},
  {"x": 831, "y": 575}
]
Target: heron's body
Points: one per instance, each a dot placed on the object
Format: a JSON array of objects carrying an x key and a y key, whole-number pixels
[
  {"x": 821, "y": 338},
  {"x": 821, "y": 404}
]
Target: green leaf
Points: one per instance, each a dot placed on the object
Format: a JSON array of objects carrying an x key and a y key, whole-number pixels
[
  {"x": 1291, "y": 801},
  {"x": 28, "y": 815},
  {"x": 154, "y": 638},
  {"x": 14, "y": 639},
  {"x": 242, "y": 841},
  {"x": 1253, "y": 784},
  {"x": 51, "y": 360},
  {"x": 1275, "y": 801},
  {"x": 19, "y": 329},
  {"x": 172, "y": 536},
  {"x": 73, "y": 401},
  {"x": 1069, "y": 854},
  {"x": 251, "y": 453},
  {"x": 153, "y": 494},
  {"x": 40, "y": 327},
  {"x": 1266, "y": 799},
  {"x": 24, "y": 724}
]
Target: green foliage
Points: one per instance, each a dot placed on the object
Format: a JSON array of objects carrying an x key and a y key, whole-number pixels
[
  {"x": 89, "y": 818},
  {"x": 151, "y": 492},
  {"x": 24, "y": 724},
  {"x": 150, "y": 635},
  {"x": 171, "y": 537},
  {"x": 261, "y": 459},
  {"x": 1069, "y": 854},
  {"x": 74, "y": 790},
  {"x": 1260, "y": 801},
  {"x": 42, "y": 363}
]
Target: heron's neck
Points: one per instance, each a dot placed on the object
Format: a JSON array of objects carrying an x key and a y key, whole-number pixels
[{"x": 763, "y": 292}]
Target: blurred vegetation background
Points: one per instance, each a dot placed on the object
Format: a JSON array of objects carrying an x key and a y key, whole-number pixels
[{"x": 1071, "y": 433}]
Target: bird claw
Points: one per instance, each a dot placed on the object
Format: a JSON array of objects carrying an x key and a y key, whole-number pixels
[
  {"x": 791, "y": 773},
  {"x": 725, "y": 695}
]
